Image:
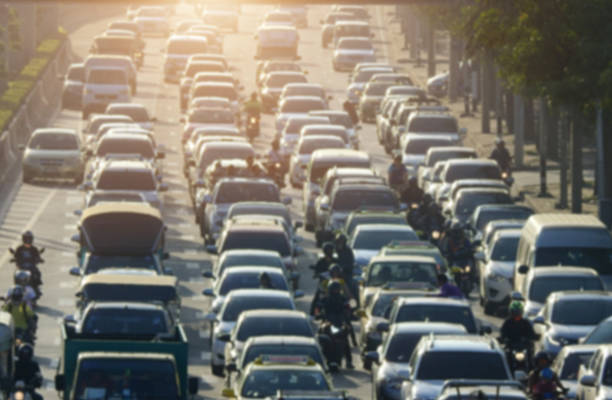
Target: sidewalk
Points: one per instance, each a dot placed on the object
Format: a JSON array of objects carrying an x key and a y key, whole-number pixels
[{"x": 527, "y": 180}]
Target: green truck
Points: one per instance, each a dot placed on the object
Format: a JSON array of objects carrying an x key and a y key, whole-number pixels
[{"x": 105, "y": 367}]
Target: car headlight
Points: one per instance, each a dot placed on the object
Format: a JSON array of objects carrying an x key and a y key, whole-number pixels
[{"x": 497, "y": 278}]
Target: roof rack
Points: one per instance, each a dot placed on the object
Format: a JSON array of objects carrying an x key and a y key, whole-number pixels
[{"x": 498, "y": 384}]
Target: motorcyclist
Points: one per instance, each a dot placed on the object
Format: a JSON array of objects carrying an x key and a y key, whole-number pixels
[
  {"x": 27, "y": 370},
  {"x": 21, "y": 278},
  {"x": 546, "y": 388},
  {"x": 255, "y": 169},
  {"x": 350, "y": 110},
  {"x": 447, "y": 289},
  {"x": 274, "y": 155},
  {"x": 501, "y": 154},
  {"x": 252, "y": 107},
  {"x": 541, "y": 361},
  {"x": 28, "y": 253},
  {"x": 264, "y": 281},
  {"x": 324, "y": 262},
  {"x": 412, "y": 193},
  {"x": 23, "y": 316},
  {"x": 456, "y": 247},
  {"x": 397, "y": 172},
  {"x": 346, "y": 258},
  {"x": 334, "y": 306},
  {"x": 516, "y": 331}
]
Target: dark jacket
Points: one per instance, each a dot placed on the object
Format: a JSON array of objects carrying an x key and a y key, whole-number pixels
[
  {"x": 514, "y": 330},
  {"x": 346, "y": 260}
]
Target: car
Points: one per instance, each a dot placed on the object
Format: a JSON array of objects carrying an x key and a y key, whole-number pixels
[
  {"x": 594, "y": 378},
  {"x": 439, "y": 358},
  {"x": 53, "y": 153},
  {"x": 210, "y": 33},
  {"x": 371, "y": 97},
  {"x": 225, "y": 19},
  {"x": 567, "y": 365},
  {"x": 215, "y": 76},
  {"x": 238, "y": 301},
  {"x": 256, "y": 323},
  {"x": 290, "y": 133},
  {"x": 327, "y": 25},
  {"x": 101, "y": 196},
  {"x": 265, "y": 67},
  {"x": 241, "y": 278},
  {"x": 285, "y": 345},
  {"x": 121, "y": 43},
  {"x": 568, "y": 316},
  {"x": 303, "y": 151},
  {"x": 299, "y": 12},
  {"x": 434, "y": 123},
  {"x": 486, "y": 213},
  {"x": 376, "y": 312},
  {"x": 360, "y": 79},
  {"x": 415, "y": 248},
  {"x": 137, "y": 112},
  {"x": 389, "y": 107},
  {"x": 207, "y": 118},
  {"x": 496, "y": 270},
  {"x": 277, "y": 41},
  {"x": 104, "y": 85},
  {"x": 541, "y": 282},
  {"x": 352, "y": 50},
  {"x": 215, "y": 205},
  {"x": 247, "y": 257},
  {"x": 435, "y": 154},
  {"x": 367, "y": 239},
  {"x": 259, "y": 236},
  {"x": 414, "y": 148},
  {"x": 72, "y": 87},
  {"x": 324, "y": 169},
  {"x": 437, "y": 85},
  {"x": 496, "y": 226},
  {"x": 410, "y": 105},
  {"x": 332, "y": 211},
  {"x": 339, "y": 117},
  {"x": 152, "y": 21},
  {"x": 210, "y": 57},
  {"x": 96, "y": 120},
  {"x": 350, "y": 28},
  {"x": 137, "y": 176},
  {"x": 305, "y": 89},
  {"x": 443, "y": 198},
  {"x": 128, "y": 319},
  {"x": 130, "y": 26},
  {"x": 178, "y": 49},
  {"x": 396, "y": 78},
  {"x": 209, "y": 102},
  {"x": 209, "y": 132},
  {"x": 264, "y": 208},
  {"x": 391, "y": 359},
  {"x": 359, "y": 12},
  {"x": 227, "y": 90},
  {"x": 401, "y": 90},
  {"x": 417, "y": 272},
  {"x": 365, "y": 217},
  {"x": 278, "y": 17},
  {"x": 269, "y": 374},
  {"x": 261, "y": 219},
  {"x": 338, "y": 131},
  {"x": 192, "y": 68},
  {"x": 296, "y": 106},
  {"x": 466, "y": 201}
]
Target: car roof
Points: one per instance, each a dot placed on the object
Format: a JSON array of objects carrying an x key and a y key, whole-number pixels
[
  {"x": 273, "y": 314},
  {"x": 470, "y": 161},
  {"x": 363, "y": 186},
  {"x": 246, "y": 252},
  {"x": 403, "y": 258},
  {"x": 340, "y": 154},
  {"x": 466, "y": 343},
  {"x": 441, "y": 301},
  {"x": 508, "y": 233},
  {"x": 426, "y": 327},
  {"x": 59, "y": 131},
  {"x": 382, "y": 227},
  {"x": 251, "y": 269},
  {"x": 578, "y": 348},
  {"x": 241, "y": 226},
  {"x": 569, "y": 295},
  {"x": 134, "y": 165},
  {"x": 469, "y": 190},
  {"x": 124, "y": 305},
  {"x": 563, "y": 271},
  {"x": 353, "y": 22},
  {"x": 259, "y": 293},
  {"x": 282, "y": 340}
]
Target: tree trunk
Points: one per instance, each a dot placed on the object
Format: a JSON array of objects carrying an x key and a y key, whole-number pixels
[
  {"x": 577, "y": 132},
  {"x": 604, "y": 197}
]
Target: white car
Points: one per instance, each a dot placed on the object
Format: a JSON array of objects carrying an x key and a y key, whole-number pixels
[
  {"x": 356, "y": 86},
  {"x": 595, "y": 378},
  {"x": 137, "y": 112},
  {"x": 567, "y": 365},
  {"x": 351, "y": 51},
  {"x": 367, "y": 239},
  {"x": 104, "y": 85},
  {"x": 178, "y": 50},
  {"x": 297, "y": 106},
  {"x": 415, "y": 147},
  {"x": 301, "y": 155}
]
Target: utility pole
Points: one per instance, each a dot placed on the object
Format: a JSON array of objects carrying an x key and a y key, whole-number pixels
[
  {"x": 519, "y": 130},
  {"x": 604, "y": 163},
  {"x": 453, "y": 70},
  {"x": 544, "y": 127},
  {"x": 577, "y": 161},
  {"x": 431, "y": 48},
  {"x": 563, "y": 127}
]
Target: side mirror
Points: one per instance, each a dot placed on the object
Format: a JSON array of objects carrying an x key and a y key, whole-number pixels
[
  {"x": 208, "y": 274},
  {"x": 588, "y": 380},
  {"x": 523, "y": 269},
  {"x": 324, "y": 206},
  {"x": 208, "y": 292},
  {"x": 211, "y": 249},
  {"x": 287, "y": 201},
  {"x": 382, "y": 327},
  {"x": 298, "y": 294},
  {"x": 194, "y": 385},
  {"x": 199, "y": 183},
  {"x": 75, "y": 271},
  {"x": 298, "y": 224},
  {"x": 60, "y": 382},
  {"x": 76, "y": 238},
  {"x": 69, "y": 319},
  {"x": 163, "y": 187},
  {"x": 372, "y": 356}
]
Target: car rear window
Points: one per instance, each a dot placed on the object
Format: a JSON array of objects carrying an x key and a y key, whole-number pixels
[
  {"x": 53, "y": 141},
  {"x": 107, "y": 77},
  {"x": 276, "y": 241},
  {"x": 262, "y": 326},
  {"x": 233, "y": 307}
]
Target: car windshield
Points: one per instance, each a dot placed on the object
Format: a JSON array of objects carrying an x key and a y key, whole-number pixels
[
  {"x": 233, "y": 192},
  {"x": 433, "y": 125},
  {"x": 264, "y": 383},
  {"x": 377, "y": 89},
  {"x": 264, "y": 326},
  {"x": 109, "y": 321},
  {"x": 349, "y": 200},
  {"x": 186, "y": 47},
  {"x": 491, "y": 215},
  {"x": 146, "y": 378},
  {"x": 355, "y": 44},
  {"x": 280, "y": 80},
  {"x": 236, "y": 260},
  {"x": 380, "y": 273},
  {"x": 302, "y": 106},
  {"x": 284, "y": 349},
  {"x": 571, "y": 365},
  {"x": 421, "y": 146},
  {"x": 235, "y": 306},
  {"x": 126, "y": 180},
  {"x": 97, "y": 263},
  {"x": 210, "y": 90},
  {"x": 114, "y": 197},
  {"x": 355, "y": 222},
  {"x": 248, "y": 281},
  {"x": 437, "y": 313},
  {"x": 125, "y": 146},
  {"x": 400, "y": 347},
  {"x": 504, "y": 249},
  {"x": 597, "y": 258},
  {"x": 212, "y": 153},
  {"x": 308, "y": 146},
  {"x": 540, "y": 288},
  {"x": 444, "y": 365},
  {"x": 206, "y": 116},
  {"x": 276, "y": 241},
  {"x": 107, "y": 77},
  {"x": 588, "y": 311},
  {"x": 602, "y": 334},
  {"x": 365, "y": 74},
  {"x": 467, "y": 204},
  {"x": 472, "y": 171},
  {"x": 376, "y": 239},
  {"x": 53, "y": 141},
  {"x": 319, "y": 169}
]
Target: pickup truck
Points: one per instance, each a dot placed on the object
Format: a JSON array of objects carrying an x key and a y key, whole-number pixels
[{"x": 94, "y": 366}]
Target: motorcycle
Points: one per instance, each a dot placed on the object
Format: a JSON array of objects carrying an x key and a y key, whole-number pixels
[
  {"x": 23, "y": 391},
  {"x": 333, "y": 337},
  {"x": 507, "y": 177},
  {"x": 275, "y": 172},
  {"x": 252, "y": 127},
  {"x": 519, "y": 355},
  {"x": 463, "y": 271},
  {"x": 31, "y": 265}
]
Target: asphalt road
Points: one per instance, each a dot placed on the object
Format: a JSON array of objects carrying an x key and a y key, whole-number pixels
[{"x": 47, "y": 208}]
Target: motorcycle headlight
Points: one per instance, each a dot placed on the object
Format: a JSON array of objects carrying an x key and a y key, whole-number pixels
[
  {"x": 504, "y": 175},
  {"x": 435, "y": 235},
  {"x": 520, "y": 356}
]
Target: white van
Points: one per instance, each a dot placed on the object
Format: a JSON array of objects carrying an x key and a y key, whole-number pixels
[
  {"x": 566, "y": 240},
  {"x": 103, "y": 86}
]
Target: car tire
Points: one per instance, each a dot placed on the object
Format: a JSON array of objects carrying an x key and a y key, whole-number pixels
[{"x": 217, "y": 370}]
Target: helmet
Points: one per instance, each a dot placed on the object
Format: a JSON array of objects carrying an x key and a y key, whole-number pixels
[
  {"x": 334, "y": 287},
  {"x": 17, "y": 294},
  {"x": 25, "y": 352},
  {"x": 27, "y": 237},
  {"x": 546, "y": 373},
  {"x": 22, "y": 277},
  {"x": 341, "y": 237},
  {"x": 499, "y": 141},
  {"x": 335, "y": 270},
  {"x": 427, "y": 198},
  {"x": 328, "y": 248},
  {"x": 541, "y": 355},
  {"x": 516, "y": 307},
  {"x": 264, "y": 276}
]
